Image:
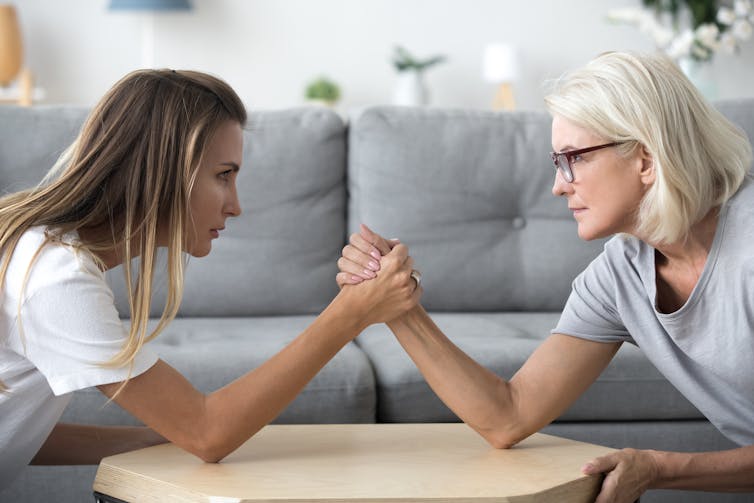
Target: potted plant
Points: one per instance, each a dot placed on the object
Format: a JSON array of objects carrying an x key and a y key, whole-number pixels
[
  {"x": 323, "y": 90},
  {"x": 410, "y": 89}
]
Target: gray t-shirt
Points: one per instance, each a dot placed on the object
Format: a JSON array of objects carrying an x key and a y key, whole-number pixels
[{"x": 706, "y": 348}]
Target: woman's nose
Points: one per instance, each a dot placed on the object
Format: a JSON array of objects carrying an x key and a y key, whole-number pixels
[{"x": 560, "y": 187}]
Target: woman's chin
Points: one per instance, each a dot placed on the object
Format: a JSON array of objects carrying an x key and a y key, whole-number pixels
[
  {"x": 200, "y": 251},
  {"x": 587, "y": 234}
]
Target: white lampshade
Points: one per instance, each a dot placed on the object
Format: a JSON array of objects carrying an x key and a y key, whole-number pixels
[{"x": 500, "y": 63}]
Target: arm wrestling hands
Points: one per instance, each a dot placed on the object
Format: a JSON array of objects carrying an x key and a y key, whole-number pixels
[{"x": 452, "y": 375}]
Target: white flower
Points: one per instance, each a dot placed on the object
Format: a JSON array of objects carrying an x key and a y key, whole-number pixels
[
  {"x": 707, "y": 34},
  {"x": 625, "y": 15},
  {"x": 734, "y": 23},
  {"x": 742, "y": 29},
  {"x": 699, "y": 52},
  {"x": 661, "y": 36},
  {"x": 742, "y": 7},
  {"x": 681, "y": 45},
  {"x": 726, "y": 16},
  {"x": 728, "y": 43}
]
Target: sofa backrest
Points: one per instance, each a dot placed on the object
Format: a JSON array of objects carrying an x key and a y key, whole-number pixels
[
  {"x": 279, "y": 256},
  {"x": 470, "y": 193}
]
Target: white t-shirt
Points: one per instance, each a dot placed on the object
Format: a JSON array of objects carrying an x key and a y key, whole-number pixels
[{"x": 70, "y": 326}]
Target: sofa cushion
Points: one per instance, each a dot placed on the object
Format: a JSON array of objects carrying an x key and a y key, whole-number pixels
[
  {"x": 629, "y": 389},
  {"x": 211, "y": 352},
  {"x": 469, "y": 193},
  {"x": 32, "y": 139}
]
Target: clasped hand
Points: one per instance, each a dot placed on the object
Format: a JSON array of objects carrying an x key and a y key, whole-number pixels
[{"x": 393, "y": 290}]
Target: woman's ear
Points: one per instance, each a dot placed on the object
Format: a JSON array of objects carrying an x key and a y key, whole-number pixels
[{"x": 647, "y": 172}]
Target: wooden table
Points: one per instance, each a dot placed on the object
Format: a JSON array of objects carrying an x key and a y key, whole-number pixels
[{"x": 368, "y": 463}]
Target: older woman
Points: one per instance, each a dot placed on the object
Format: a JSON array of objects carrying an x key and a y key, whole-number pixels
[{"x": 638, "y": 154}]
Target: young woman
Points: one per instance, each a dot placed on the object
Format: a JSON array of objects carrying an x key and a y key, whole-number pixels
[
  {"x": 155, "y": 165},
  {"x": 639, "y": 153}
]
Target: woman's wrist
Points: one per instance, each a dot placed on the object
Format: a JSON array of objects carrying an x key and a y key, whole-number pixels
[
  {"x": 668, "y": 467},
  {"x": 407, "y": 319},
  {"x": 350, "y": 307}
]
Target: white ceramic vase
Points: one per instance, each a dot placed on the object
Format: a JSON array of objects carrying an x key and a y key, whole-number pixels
[
  {"x": 700, "y": 74},
  {"x": 410, "y": 89}
]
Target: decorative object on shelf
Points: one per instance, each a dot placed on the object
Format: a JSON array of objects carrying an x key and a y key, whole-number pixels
[
  {"x": 148, "y": 8},
  {"x": 410, "y": 89},
  {"x": 692, "y": 29},
  {"x": 323, "y": 91},
  {"x": 11, "y": 60},
  {"x": 500, "y": 66},
  {"x": 11, "y": 48}
]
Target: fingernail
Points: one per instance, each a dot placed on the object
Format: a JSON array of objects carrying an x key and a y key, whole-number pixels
[
  {"x": 587, "y": 468},
  {"x": 374, "y": 265},
  {"x": 369, "y": 273},
  {"x": 375, "y": 254},
  {"x": 394, "y": 239},
  {"x": 356, "y": 279}
]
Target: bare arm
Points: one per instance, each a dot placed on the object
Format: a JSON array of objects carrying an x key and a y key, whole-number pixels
[
  {"x": 81, "y": 444},
  {"x": 503, "y": 412},
  {"x": 730, "y": 471},
  {"x": 214, "y": 425}
]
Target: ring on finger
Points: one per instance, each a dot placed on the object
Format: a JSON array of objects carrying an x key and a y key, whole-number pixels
[{"x": 417, "y": 276}]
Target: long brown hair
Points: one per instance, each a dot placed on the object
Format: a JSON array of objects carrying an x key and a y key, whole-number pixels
[{"x": 131, "y": 169}]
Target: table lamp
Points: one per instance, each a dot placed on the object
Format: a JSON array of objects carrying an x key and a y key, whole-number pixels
[
  {"x": 11, "y": 57},
  {"x": 501, "y": 67},
  {"x": 149, "y": 7}
]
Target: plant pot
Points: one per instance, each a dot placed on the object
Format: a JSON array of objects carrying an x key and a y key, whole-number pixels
[{"x": 410, "y": 89}]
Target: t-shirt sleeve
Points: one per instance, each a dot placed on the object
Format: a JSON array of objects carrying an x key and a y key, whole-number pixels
[
  {"x": 591, "y": 312},
  {"x": 71, "y": 328}
]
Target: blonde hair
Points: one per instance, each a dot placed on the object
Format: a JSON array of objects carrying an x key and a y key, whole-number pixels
[
  {"x": 130, "y": 170},
  {"x": 700, "y": 158}
]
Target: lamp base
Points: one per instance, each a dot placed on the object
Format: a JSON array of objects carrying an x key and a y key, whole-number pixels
[
  {"x": 24, "y": 93},
  {"x": 504, "y": 98}
]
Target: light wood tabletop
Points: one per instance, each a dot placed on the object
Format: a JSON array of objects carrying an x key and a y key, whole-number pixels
[{"x": 367, "y": 463}]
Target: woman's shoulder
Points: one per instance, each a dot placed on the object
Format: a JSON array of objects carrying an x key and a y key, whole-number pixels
[{"x": 42, "y": 259}]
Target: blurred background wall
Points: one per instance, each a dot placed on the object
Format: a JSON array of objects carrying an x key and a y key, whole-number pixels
[{"x": 268, "y": 50}]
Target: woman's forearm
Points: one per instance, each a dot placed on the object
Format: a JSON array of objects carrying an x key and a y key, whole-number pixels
[
  {"x": 475, "y": 394},
  {"x": 727, "y": 471},
  {"x": 503, "y": 412},
  {"x": 82, "y": 444}
]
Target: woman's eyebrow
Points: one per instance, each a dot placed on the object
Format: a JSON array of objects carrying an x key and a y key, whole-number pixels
[{"x": 233, "y": 165}]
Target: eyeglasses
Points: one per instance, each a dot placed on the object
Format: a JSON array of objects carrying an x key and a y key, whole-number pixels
[{"x": 562, "y": 160}]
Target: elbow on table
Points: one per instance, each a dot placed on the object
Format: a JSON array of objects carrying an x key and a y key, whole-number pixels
[
  {"x": 503, "y": 437},
  {"x": 212, "y": 446},
  {"x": 208, "y": 451},
  {"x": 501, "y": 441}
]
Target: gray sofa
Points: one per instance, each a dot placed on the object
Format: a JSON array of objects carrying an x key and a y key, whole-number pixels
[{"x": 468, "y": 191}]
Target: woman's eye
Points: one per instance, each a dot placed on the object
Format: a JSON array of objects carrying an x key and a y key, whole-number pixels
[
  {"x": 576, "y": 158},
  {"x": 225, "y": 174}
]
